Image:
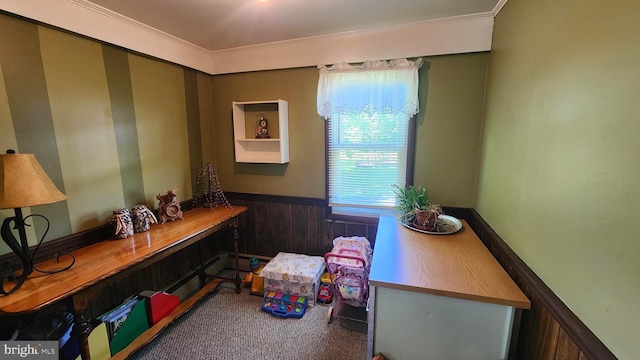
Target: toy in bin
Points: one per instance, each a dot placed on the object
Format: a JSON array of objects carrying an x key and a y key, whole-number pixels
[{"x": 284, "y": 305}]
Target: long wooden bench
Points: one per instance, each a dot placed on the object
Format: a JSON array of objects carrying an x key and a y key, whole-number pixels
[{"x": 100, "y": 264}]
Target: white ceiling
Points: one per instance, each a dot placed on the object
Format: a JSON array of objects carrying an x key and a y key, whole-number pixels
[{"x": 226, "y": 24}]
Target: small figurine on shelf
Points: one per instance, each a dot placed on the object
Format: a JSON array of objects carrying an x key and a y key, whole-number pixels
[
  {"x": 168, "y": 206},
  {"x": 263, "y": 128}
]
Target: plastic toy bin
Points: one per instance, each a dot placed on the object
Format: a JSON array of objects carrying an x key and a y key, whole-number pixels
[{"x": 294, "y": 274}]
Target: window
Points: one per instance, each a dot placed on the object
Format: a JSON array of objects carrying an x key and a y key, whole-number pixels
[
  {"x": 366, "y": 154},
  {"x": 368, "y": 109}
]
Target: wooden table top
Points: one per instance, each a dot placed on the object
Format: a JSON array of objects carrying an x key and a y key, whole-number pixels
[
  {"x": 102, "y": 260},
  {"x": 456, "y": 265}
]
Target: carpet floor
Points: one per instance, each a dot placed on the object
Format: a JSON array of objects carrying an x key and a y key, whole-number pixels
[{"x": 227, "y": 326}]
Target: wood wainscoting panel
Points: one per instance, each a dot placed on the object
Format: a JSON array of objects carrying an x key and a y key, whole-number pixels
[
  {"x": 546, "y": 338},
  {"x": 566, "y": 349},
  {"x": 291, "y": 224},
  {"x": 550, "y": 330},
  {"x": 300, "y": 228},
  {"x": 247, "y": 243},
  {"x": 282, "y": 225},
  {"x": 316, "y": 228},
  {"x": 262, "y": 227}
]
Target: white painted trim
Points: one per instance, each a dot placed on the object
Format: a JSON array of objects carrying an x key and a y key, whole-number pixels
[
  {"x": 470, "y": 33},
  {"x": 498, "y": 7},
  {"x": 91, "y": 20},
  {"x": 462, "y": 34},
  {"x": 128, "y": 21}
]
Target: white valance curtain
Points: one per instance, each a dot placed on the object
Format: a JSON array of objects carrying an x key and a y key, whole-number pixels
[{"x": 375, "y": 87}]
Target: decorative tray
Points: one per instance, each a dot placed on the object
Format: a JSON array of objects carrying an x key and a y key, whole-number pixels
[{"x": 445, "y": 224}]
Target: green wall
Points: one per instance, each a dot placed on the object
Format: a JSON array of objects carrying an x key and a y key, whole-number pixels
[
  {"x": 449, "y": 127},
  {"x": 303, "y": 175},
  {"x": 556, "y": 163},
  {"x": 560, "y": 166},
  {"x": 451, "y": 98},
  {"x": 111, "y": 128}
]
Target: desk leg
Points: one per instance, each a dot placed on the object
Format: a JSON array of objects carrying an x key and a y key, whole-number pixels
[
  {"x": 81, "y": 327},
  {"x": 371, "y": 320},
  {"x": 236, "y": 237},
  {"x": 236, "y": 262},
  {"x": 515, "y": 332}
]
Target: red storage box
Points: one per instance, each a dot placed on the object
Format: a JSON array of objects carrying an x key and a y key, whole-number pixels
[{"x": 159, "y": 304}]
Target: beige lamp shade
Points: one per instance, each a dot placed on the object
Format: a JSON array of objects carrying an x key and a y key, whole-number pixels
[{"x": 24, "y": 183}]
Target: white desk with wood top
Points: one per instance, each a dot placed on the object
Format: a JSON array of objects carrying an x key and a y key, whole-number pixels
[{"x": 439, "y": 297}]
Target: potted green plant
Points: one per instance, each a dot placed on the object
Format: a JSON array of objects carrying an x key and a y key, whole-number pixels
[
  {"x": 409, "y": 199},
  {"x": 415, "y": 207}
]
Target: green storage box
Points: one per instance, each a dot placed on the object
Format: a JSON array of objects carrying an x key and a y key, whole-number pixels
[{"x": 136, "y": 323}]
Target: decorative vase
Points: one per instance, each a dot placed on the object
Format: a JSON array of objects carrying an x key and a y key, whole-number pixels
[
  {"x": 142, "y": 218},
  {"x": 121, "y": 223}
]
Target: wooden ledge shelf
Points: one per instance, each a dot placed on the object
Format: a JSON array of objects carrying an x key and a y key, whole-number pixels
[{"x": 147, "y": 336}]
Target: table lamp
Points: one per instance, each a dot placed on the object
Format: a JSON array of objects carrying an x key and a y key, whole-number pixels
[{"x": 23, "y": 183}]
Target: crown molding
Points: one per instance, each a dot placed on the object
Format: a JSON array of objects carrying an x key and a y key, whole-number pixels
[
  {"x": 498, "y": 7},
  {"x": 357, "y": 33},
  {"x": 93, "y": 21},
  {"x": 131, "y": 22},
  {"x": 453, "y": 35},
  {"x": 460, "y": 34}
]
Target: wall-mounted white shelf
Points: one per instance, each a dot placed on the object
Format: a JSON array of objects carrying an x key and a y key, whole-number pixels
[{"x": 249, "y": 149}]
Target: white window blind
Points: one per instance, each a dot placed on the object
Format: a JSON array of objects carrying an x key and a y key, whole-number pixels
[{"x": 367, "y": 154}]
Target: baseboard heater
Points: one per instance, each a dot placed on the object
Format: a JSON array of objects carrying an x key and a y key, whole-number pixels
[
  {"x": 243, "y": 261},
  {"x": 190, "y": 283}
]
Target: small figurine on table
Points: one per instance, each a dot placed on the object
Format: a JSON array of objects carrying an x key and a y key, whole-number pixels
[{"x": 263, "y": 128}]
